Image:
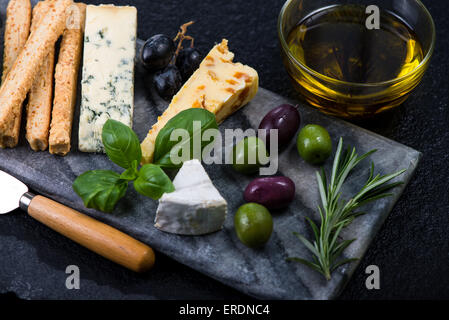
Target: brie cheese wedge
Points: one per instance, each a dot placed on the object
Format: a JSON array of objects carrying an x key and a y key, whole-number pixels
[{"x": 195, "y": 207}]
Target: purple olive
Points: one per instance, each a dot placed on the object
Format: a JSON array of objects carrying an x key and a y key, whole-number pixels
[
  {"x": 285, "y": 118},
  {"x": 271, "y": 192}
]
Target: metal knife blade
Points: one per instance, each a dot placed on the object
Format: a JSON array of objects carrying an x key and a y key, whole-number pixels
[{"x": 11, "y": 191}]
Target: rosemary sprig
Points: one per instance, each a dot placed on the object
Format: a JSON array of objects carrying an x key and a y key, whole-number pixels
[{"x": 337, "y": 214}]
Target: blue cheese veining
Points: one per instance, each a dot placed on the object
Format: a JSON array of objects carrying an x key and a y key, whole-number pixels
[{"x": 108, "y": 71}]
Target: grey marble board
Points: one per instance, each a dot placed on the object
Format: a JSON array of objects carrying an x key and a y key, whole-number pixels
[{"x": 262, "y": 273}]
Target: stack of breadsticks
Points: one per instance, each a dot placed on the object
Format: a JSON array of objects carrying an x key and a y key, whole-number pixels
[{"x": 29, "y": 68}]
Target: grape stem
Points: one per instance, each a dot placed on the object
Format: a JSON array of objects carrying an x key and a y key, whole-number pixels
[{"x": 181, "y": 36}]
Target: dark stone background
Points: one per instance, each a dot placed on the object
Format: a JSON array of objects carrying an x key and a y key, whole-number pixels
[{"x": 411, "y": 249}]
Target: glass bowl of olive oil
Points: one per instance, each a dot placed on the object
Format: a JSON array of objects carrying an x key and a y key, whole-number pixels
[{"x": 355, "y": 59}]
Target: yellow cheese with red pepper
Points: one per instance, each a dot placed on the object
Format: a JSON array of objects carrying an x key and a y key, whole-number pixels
[{"x": 219, "y": 86}]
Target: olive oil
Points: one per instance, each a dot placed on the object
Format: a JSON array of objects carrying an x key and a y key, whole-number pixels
[{"x": 336, "y": 43}]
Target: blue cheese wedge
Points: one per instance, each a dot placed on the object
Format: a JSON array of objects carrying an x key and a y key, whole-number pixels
[
  {"x": 195, "y": 207},
  {"x": 108, "y": 71}
]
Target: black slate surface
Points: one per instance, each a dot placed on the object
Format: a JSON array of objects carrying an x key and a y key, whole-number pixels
[{"x": 411, "y": 248}]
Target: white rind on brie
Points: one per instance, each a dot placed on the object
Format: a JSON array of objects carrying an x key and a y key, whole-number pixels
[{"x": 195, "y": 207}]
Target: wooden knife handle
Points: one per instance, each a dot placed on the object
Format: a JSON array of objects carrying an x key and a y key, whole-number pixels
[{"x": 92, "y": 234}]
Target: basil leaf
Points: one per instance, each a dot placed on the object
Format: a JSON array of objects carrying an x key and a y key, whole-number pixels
[
  {"x": 131, "y": 173},
  {"x": 100, "y": 189},
  {"x": 153, "y": 182},
  {"x": 183, "y": 120},
  {"x": 121, "y": 143}
]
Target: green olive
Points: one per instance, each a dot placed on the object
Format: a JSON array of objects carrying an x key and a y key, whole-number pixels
[
  {"x": 246, "y": 155},
  {"x": 314, "y": 144},
  {"x": 253, "y": 225}
]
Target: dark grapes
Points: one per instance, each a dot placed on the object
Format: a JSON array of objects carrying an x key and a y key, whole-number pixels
[
  {"x": 157, "y": 52},
  {"x": 168, "y": 82},
  {"x": 188, "y": 61}
]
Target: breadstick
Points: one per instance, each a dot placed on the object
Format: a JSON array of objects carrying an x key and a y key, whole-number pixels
[
  {"x": 20, "y": 78},
  {"x": 17, "y": 29},
  {"x": 40, "y": 95},
  {"x": 66, "y": 76}
]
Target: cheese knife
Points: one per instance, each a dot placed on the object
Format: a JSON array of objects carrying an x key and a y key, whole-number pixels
[{"x": 88, "y": 232}]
